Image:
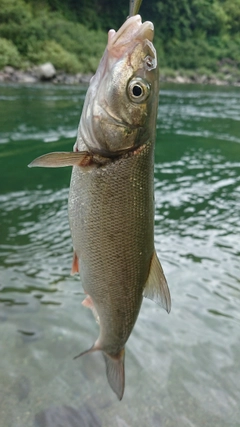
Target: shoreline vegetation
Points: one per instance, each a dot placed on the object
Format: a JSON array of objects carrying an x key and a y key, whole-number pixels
[
  {"x": 46, "y": 73},
  {"x": 197, "y": 41}
]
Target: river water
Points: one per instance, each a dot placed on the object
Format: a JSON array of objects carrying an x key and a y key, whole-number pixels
[{"x": 182, "y": 369}]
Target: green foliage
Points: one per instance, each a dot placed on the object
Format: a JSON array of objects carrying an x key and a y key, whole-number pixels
[
  {"x": 87, "y": 45},
  {"x": 9, "y": 54},
  {"x": 232, "y": 10},
  {"x": 14, "y": 11},
  {"x": 72, "y": 34},
  {"x": 56, "y": 54},
  {"x": 41, "y": 35},
  {"x": 196, "y": 33},
  {"x": 192, "y": 54},
  {"x": 173, "y": 19},
  {"x": 208, "y": 17}
]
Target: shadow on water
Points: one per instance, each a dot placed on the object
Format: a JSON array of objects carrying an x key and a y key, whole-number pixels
[
  {"x": 182, "y": 369},
  {"x": 65, "y": 416}
]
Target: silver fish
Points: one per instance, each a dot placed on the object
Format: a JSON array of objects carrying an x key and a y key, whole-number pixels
[{"x": 111, "y": 199}]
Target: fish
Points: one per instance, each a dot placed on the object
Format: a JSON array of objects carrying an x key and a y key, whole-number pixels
[{"x": 111, "y": 196}]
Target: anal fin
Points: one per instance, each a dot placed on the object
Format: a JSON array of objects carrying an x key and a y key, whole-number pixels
[
  {"x": 156, "y": 287},
  {"x": 88, "y": 302}
]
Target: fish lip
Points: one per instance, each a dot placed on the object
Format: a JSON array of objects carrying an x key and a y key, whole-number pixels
[{"x": 132, "y": 30}]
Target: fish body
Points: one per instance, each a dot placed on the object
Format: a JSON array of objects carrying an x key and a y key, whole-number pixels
[
  {"x": 111, "y": 198},
  {"x": 111, "y": 221}
]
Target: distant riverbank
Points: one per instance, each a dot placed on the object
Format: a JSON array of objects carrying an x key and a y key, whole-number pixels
[{"x": 47, "y": 73}]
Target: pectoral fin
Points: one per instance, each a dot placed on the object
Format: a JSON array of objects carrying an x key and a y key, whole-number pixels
[
  {"x": 156, "y": 287},
  {"x": 62, "y": 159}
]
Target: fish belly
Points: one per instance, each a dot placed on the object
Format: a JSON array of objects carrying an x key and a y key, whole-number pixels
[{"x": 111, "y": 214}]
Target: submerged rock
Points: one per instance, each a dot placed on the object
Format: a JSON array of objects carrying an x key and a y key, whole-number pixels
[
  {"x": 66, "y": 416},
  {"x": 22, "y": 388}
]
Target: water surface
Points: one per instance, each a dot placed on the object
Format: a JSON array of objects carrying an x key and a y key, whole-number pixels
[{"x": 182, "y": 369}]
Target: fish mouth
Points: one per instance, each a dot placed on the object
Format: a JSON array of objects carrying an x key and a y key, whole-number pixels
[{"x": 132, "y": 30}]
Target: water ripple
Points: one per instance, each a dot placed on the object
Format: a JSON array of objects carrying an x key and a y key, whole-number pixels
[
  {"x": 212, "y": 115},
  {"x": 186, "y": 363}
]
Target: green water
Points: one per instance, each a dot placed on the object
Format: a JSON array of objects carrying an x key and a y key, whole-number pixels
[{"x": 182, "y": 369}]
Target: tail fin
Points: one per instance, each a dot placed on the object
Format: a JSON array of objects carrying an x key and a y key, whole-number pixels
[{"x": 115, "y": 372}]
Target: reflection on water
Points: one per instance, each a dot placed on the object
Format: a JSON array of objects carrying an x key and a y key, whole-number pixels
[{"x": 182, "y": 369}]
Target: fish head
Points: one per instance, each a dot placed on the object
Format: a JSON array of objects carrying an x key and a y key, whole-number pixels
[{"x": 120, "y": 108}]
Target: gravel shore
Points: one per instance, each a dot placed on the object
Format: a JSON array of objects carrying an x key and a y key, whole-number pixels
[{"x": 47, "y": 73}]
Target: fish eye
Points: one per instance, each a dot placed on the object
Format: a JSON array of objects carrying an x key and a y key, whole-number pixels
[{"x": 138, "y": 90}]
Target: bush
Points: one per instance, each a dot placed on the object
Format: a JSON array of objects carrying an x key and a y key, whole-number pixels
[
  {"x": 16, "y": 11},
  {"x": 87, "y": 45},
  {"x": 232, "y": 9},
  {"x": 17, "y": 24},
  {"x": 50, "y": 51},
  {"x": 190, "y": 34},
  {"x": 40, "y": 35},
  {"x": 191, "y": 54},
  {"x": 208, "y": 17},
  {"x": 9, "y": 54}
]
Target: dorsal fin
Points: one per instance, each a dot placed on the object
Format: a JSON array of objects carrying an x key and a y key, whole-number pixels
[{"x": 156, "y": 287}]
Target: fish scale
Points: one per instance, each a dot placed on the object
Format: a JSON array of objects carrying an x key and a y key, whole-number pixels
[{"x": 113, "y": 237}]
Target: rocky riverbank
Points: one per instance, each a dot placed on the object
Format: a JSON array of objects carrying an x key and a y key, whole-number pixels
[
  {"x": 47, "y": 73},
  {"x": 42, "y": 73}
]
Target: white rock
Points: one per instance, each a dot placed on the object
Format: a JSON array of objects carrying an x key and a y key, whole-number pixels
[
  {"x": 27, "y": 79},
  {"x": 47, "y": 71},
  {"x": 181, "y": 79}
]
